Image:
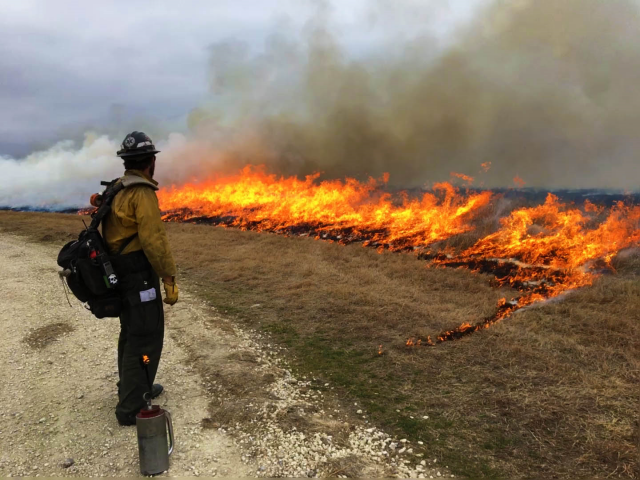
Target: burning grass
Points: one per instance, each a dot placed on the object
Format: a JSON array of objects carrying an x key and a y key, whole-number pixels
[
  {"x": 549, "y": 249},
  {"x": 553, "y": 391},
  {"x": 345, "y": 210}
]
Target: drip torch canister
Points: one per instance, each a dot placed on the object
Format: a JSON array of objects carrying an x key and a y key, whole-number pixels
[{"x": 152, "y": 424}]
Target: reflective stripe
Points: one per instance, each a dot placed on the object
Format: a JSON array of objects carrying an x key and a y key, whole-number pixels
[{"x": 143, "y": 144}]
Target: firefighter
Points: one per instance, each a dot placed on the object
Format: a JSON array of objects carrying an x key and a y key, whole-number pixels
[{"x": 136, "y": 237}]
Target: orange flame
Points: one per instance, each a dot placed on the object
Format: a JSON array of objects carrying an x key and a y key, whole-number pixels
[
  {"x": 550, "y": 248},
  {"x": 263, "y": 201},
  {"x": 486, "y": 166},
  {"x": 553, "y": 248},
  {"x": 466, "y": 178},
  {"x": 559, "y": 237},
  {"x": 518, "y": 181},
  {"x": 412, "y": 342}
]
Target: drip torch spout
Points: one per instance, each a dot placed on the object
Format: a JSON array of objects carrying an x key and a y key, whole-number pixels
[{"x": 144, "y": 361}]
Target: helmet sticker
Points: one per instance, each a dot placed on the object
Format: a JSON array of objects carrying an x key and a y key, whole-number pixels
[{"x": 129, "y": 141}]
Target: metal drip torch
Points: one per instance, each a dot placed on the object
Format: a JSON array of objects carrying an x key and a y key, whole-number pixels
[{"x": 152, "y": 424}]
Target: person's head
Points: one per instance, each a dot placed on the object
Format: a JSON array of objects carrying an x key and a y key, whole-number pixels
[
  {"x": 138, "y": 153},
  {"x": 144, "y": 163}
]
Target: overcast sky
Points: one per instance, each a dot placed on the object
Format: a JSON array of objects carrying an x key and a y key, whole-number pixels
[{"x": 67, "y": 65}]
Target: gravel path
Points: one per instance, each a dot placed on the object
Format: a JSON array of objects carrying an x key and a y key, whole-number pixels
[{"x": 237, "y": 408}]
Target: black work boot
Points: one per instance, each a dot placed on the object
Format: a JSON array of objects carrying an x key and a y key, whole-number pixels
[
  {"x": 156, "y": 390},
  {"x": 126, "y": 422}
]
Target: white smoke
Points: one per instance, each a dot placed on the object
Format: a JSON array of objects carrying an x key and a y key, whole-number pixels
[
  {"x": 65, "y": 175},
  {"x": 61, "y": 177}
]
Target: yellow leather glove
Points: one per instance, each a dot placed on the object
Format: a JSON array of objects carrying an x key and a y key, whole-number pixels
[{"x": 171, "y": 291}]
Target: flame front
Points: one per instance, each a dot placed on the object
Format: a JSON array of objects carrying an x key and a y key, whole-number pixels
[
  {"x": 266, "y": 202},
  {"x": 550, "y": 249},
  {"x": 540, "y": 251},
  {"x": 558, "y": 238}
]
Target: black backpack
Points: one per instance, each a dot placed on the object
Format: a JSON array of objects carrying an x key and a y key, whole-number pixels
[{"x": 87, "y": 265}]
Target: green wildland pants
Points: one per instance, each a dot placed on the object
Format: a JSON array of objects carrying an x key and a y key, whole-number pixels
[{"x": 141, "y": 333}]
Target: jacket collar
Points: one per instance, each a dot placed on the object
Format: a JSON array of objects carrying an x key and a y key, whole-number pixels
[{"x": 139, "y": 173}]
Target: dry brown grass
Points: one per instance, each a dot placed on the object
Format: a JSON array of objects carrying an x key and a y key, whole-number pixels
[
  {"x": 551, "y": 392},
  {"x": 349, "y": 467}
]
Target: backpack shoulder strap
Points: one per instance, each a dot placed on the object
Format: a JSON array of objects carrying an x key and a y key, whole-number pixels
[
  {"x": 126, "y": 243},
  {"x": 113, "y": 188}
]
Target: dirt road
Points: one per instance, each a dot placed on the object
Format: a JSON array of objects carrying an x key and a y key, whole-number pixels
[{"x": 237, "y": 408}]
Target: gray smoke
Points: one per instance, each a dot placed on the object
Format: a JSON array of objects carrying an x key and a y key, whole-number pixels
[{"x": 542, "y": 89}]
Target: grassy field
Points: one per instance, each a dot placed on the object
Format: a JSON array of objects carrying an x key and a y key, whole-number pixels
[{"x": 552, "y": 392}]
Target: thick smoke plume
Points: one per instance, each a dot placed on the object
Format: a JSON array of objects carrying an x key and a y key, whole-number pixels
[{"x": 544, "y": 90}]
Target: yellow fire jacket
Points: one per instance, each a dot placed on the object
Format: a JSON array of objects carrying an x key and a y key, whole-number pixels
[{"x": 135, "y": 210}]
